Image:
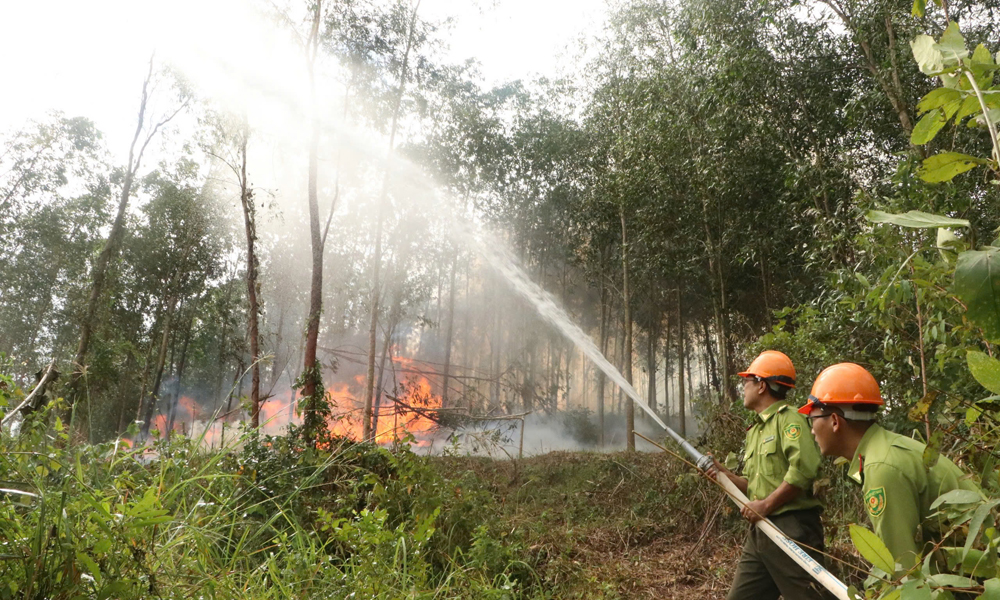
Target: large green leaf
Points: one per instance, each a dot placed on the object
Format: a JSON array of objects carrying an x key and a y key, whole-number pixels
[
  {"x": 952, "y": 45},
  {"x": 928, "y": 126},
  {"x": 916, "y": 219},
  {"x": 937, "y": 98},
  {"x": 977, "y": 284},
  {"x": 946, "y": 165},
  {"x": 985, "y": 369},
  {"x": 958, "y": 496},
  {"x": 927, "y": 55},
  {"x": 872, "y": 548}
]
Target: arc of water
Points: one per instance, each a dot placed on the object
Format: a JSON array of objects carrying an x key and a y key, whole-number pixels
[{"x": 496, "y": 254}]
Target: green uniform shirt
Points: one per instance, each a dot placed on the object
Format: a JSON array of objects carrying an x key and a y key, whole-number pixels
[
  {"x": 780, "y": 448},
  {"x": 899, "y": 490}
]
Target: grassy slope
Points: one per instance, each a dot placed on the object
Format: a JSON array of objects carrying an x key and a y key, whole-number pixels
[{"x": 612, "y": 525}]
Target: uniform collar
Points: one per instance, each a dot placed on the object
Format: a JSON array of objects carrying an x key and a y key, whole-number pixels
[
  {"x": 857, "y": 468},
  {"x": 768, "y": 412}
]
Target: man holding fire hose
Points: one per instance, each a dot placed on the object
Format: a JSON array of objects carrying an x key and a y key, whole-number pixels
[
  {"x": 781, "y": 461},
  {"x": 898, "y": 488}
]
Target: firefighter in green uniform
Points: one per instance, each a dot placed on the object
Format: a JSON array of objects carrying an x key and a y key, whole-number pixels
[
  {"x": 898, "y": 489},
  {"x": 780, "y": 463}
]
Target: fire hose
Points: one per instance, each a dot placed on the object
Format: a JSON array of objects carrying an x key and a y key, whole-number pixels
[{"x": 818, "y": 571}]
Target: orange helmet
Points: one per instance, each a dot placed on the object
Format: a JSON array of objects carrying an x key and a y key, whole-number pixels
[
  {"x": 844, "y": 383},
  {"x": 772, "y": 366}
]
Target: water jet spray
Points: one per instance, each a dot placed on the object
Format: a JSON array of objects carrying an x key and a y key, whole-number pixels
[{"x": 503, "y": 261}]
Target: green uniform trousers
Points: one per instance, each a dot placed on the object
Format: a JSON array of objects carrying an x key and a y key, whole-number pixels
[{"x": 766, "y": 572}]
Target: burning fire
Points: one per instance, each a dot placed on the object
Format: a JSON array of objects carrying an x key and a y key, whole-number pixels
[{"x": 408, "y": 411}]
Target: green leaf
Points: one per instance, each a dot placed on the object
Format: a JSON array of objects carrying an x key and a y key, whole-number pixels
[
  {"x": 915, "y": 219},
  {"x": 952, "y": 44},
  {"x": 937, "y": 98},
  {"x": 947, "y": 243},
  {"x": 915, "y": 589},
  {"x": 972, "y": 415},
  {"x": 985, "y": 369},
  {"x": 919, "y": 410},
  {"x": 932, "y": 451},
  {"x": 919, "y": 7},
  {"x": 977, "y": 285},
  {"x": 981, "y": 57},
  {"x": 102, "y": 546},
  {"x": 976, "y": 524},
  {"x": 970, "y": 106},
  {"x": 946, "y": 165},
  {"x": 980, "y": 121},
  {"x": 927, "y": 127},
  {"x": 976, "y": 563},
  {"x": 115, "y": 589},
  {"x": 947, "y": 580},
  {"x": 927, "y": 55},
  {"x": 992, "y": 589},
  {"x": 89, "y": 565},
  {"x": 957, "y": 497},
  {"x": 872, "y": 548}
]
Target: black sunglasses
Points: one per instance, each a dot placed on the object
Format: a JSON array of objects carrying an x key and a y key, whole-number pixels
[{"x": 811, "y": 418}]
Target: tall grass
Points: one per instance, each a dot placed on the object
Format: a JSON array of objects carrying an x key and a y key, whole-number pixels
[{"x": 263, "y": 518}]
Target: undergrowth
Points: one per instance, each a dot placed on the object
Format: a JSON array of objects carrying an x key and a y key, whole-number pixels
[{"x": 272, "y": 517}]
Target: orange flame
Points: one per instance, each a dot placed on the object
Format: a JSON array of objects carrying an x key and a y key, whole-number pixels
[{"x": 417, "y": 402}]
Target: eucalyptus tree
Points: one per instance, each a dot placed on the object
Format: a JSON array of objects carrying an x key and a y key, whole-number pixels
[
  {"x": 147, "y": 127},
  {"x": 406, "y": 38},
  {"x": 461, "y": 149},
  {"x": 174, "y": 254},
  {"x": 229, "y": 137}
]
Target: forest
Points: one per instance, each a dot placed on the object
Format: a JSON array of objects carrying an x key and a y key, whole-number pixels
[{"x": 326, "y": 335}]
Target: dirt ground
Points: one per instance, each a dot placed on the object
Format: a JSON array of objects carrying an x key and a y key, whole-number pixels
[{"x": 676, "y": 569}]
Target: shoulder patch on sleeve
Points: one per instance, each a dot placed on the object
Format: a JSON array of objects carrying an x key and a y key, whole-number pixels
[
  {"x": 793, "y": 431},
  {"x": 875, "y": 501}
]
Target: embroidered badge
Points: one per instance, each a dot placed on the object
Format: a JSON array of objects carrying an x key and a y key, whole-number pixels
[
  {"x": 793, "y": 431},
  {"x": 875, "y": 501}
]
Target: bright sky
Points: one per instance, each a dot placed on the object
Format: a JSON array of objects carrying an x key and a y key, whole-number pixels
[{"x": 89, "y": 58}]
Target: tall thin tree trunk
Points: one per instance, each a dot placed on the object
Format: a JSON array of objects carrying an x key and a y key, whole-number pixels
[
  {"x": 278, "y": 355},
  {"x": 711, "y": 368},
  {"x": 601, "y": 377},
  {"x": 627, "y": 349},
  {"x": 666, "y": 367},
  {"x": 714, "y": 249},
  {"x": 449, "y": 333},
  {"x": 652, "y": 339},
  {"x": 250, "y": 225},
  {"x": 110, "y": 250},
  {"x": 681, "y": 413},
  {"x": 377, "y": 258},
  {"x": 310, "y": 367},
  {"x": 394, "y": 316},
  {"x": 160, "y": 360}
]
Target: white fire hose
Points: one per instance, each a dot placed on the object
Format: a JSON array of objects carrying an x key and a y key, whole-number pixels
[{"x": 818, "y": 572}]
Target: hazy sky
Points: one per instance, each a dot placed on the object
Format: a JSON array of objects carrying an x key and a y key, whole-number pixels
[{"x": 89, "y": 58}]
